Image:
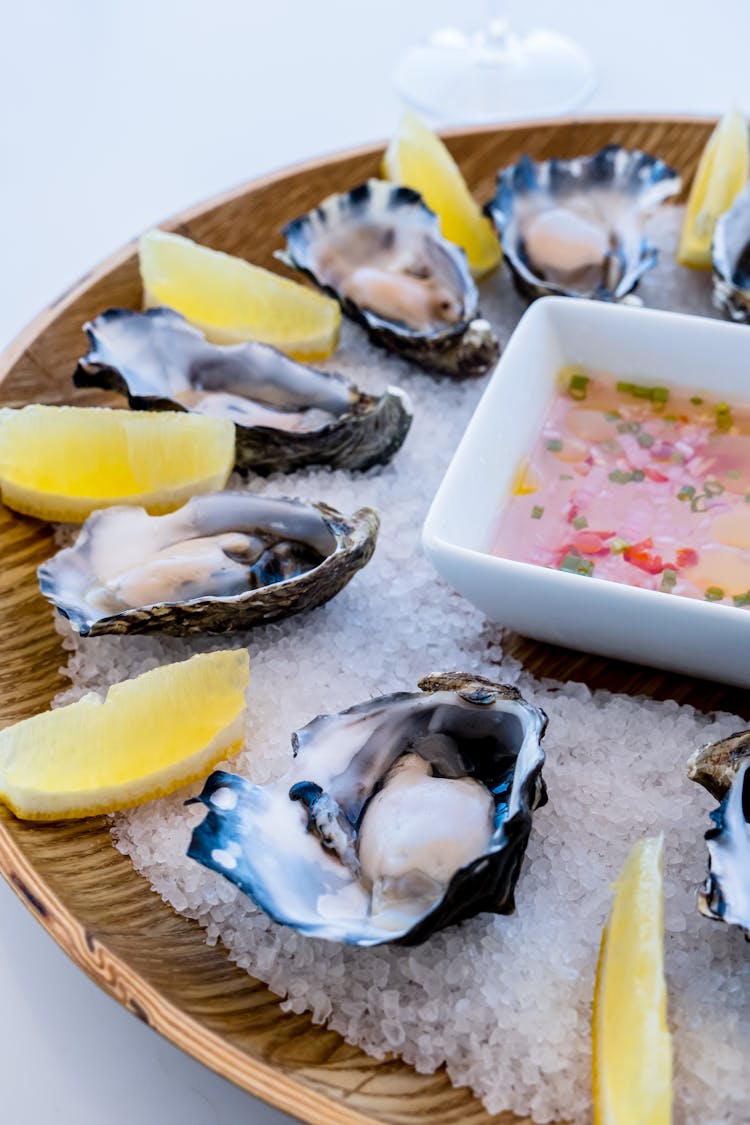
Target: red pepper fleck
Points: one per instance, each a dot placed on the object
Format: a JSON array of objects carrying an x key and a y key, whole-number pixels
[
  {"x": 686, "y": 556},
  {"x": 655, "y": 475},
  {"x": 639, "y": 554},
  {"x": 590, "y": 543},
  {"x": 572, "y": 513}
]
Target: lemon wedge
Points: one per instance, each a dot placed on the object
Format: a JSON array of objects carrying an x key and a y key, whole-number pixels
[
  {"x": 722, "y": 172},
  {"x": 417, "y": 158},
  {"x": 232, "y": 301},
  {"x": 144, "y": 739},
  {"x": 62, "y": 462},
  {"x": 632, "y": 1047}
]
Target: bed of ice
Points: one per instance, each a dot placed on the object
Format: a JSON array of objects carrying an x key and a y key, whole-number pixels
[{"x": 504, "y": 1003}]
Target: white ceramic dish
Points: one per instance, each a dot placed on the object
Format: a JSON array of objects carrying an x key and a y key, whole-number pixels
[{"x": 595, "y": 615}]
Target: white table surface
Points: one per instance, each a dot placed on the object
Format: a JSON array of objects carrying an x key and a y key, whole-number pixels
[{"x": 113, "y": 115}]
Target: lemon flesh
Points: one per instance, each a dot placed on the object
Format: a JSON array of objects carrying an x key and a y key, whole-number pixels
[
  {"x": 62, "y": 462},
  {"x": 417, "y": 158},
  {"x": 144, "y": 739},
  {"x": 632, "y": 1047},
  {"x": 232, "y": 301},
  {"x": 722, "y": 172}
]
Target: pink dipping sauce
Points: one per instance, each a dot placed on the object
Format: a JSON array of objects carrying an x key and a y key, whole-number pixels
[{"x": 637, "y": 484}]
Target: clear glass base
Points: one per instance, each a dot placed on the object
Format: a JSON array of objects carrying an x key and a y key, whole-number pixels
[{"x": 495, "y": 75}]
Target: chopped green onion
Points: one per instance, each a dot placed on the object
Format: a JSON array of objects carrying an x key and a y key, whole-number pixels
[
  {"x": 610, "y": 446},
  {"x": 671, "y": 418},
  {"x": 574, "y": 564},
  {"x": 668, "y": 580},
  {"x": 617, "y": 545},
  {"x": 577, "y": 387},
  {"x": 554, "y": 445},
  {"x": 723, "y": 417},
  {"x": 566, "y": 476},
  {"x": 656, "y": 394},
  {"x": 686, "y": 492},
  {"x": 645, "y": 439},
  {"x": 713, "y": 488},
  {"x": 612, "y": 415},
  {"x": 580, "y": 522},
  {"x": 617, "y": 476},
  {"x": 571, "y": 563},
  {"x": 714, "y": 594},
  {"x": 537, "y": 512},
  {"x": 747, "y": 497},
  {"x": 734, "y": 474},
  {"x": 741, "y": 599},
  {"x": 697, "y": 400}
]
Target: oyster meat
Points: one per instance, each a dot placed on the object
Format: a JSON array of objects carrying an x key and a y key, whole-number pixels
[
  {"x": 378, "y": 249},
  {"x": 398, "y": 817},
  {"x": 224, "y": 561},
  {"x": 730, "y": 254},
  {"x": 722, "y": 769},
  {"x": 575, "y": 227},
  {"x": 287, "y": 415}
]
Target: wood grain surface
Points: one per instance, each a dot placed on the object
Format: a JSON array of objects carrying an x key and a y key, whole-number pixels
[{"x": 83, "y": 891}]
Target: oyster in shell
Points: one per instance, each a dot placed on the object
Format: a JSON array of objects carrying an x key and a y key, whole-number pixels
[
  {"x": 722, "y": 768},
  {"x": 730, "y": 254},
  {"x": 229, "y": 560},
  {"x": 378, "y": 249},
  {"x": 287, "y": 415},
  {"x": 575, "y": 227},
  {"x": 398, "y": 817}
]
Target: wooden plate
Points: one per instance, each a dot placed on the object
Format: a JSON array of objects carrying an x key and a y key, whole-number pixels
[{"x": 84, "y": 892}]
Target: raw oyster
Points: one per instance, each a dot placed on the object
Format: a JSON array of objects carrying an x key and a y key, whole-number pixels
[
  {"x": 287, "y": 415},
  {"x": 378, "y": 249},
  {"x": 229, "y": 560},
  {"x": 730, "y": 253},
  {"x": 722, "y": 769},
  {"x": 575, "y": 227},
  {"x": 398, "y": 817}
]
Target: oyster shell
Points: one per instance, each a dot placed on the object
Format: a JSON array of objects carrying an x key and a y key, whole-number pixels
[
  {"x": 379, "y": 251},
  {"x": 287, "y": 415},
  {"x": 575, "y": 227},
  {"x": 721, "y": 768},
  {"x": 229, "y": 560},
  {"x": 715, "y": 765},
  {"x": 398, "y": 817},
  {"x": 730, "y": 254},
  {"x": 725, "y": 895}
]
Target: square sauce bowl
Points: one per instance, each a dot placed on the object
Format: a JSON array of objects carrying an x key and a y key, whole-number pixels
[{"x": 596, "y": 615}]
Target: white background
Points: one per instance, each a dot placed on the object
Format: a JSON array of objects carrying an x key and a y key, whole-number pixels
[{"x": 114, "y": 115}]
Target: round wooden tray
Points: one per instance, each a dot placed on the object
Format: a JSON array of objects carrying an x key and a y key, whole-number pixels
[{"x": 84, "y": 892}]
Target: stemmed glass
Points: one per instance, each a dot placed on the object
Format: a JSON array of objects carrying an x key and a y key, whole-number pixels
[{"x": 493, "y": 73}]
